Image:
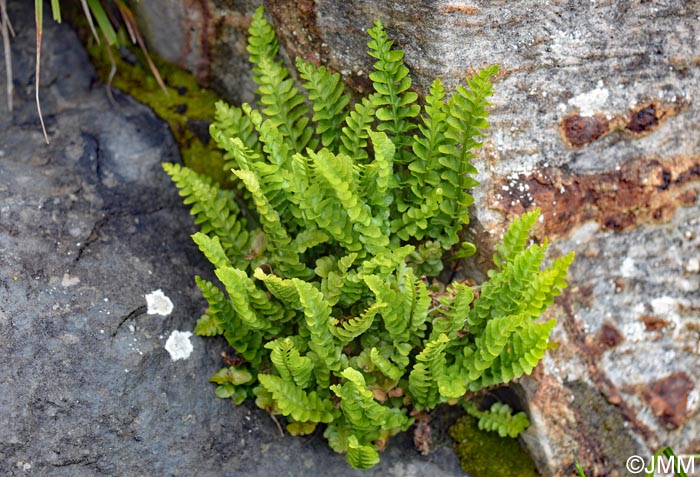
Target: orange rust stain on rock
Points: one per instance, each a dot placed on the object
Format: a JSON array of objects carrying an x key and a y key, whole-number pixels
[
  {"x": 467, "y": 9},
  {"x": 641, "y": 191},
  {"x": 577, "y": 130},
  {"x": 609, "y": 336},
  {"x": 653, "y": 323},
  {"x": 643, "y": 120},
  {"x": 668, "y": 398}
]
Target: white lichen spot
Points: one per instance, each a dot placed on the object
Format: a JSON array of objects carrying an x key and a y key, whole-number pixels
[
  {"x": 693, "y": 265},
  {"x": 627, "y": 269},
  {"x": 158, "y": 303},
  {"x": 69, "y": 281},
  {"x": 664, "y": 306},
  {"x": 591, "y": 102},
  {"x": 179, "y": 345}
]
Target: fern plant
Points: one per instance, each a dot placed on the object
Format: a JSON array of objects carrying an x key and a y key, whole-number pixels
[{"x": 323, "y": 259}]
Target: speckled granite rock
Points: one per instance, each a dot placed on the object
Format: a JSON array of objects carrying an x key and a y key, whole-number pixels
[
  {"x": 89, "y": 226},
  {"x": 594, "y": 121}
]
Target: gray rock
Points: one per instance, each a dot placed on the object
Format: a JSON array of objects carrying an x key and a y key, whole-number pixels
[{"x": 88, "y": 226}]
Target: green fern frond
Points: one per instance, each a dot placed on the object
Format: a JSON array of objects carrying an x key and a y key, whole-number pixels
[
  {"x": 429, "y": 367},
  {"x": 230, "y": 122},
  {"x": 396, "y": 104},
  {"x": 286, "y": 258},
  {"x": 455, "y": 308},
  {"x": 361, "y": 456},
  {"x": 246, "y": 341},
  {"x": 377, "y": 178},
  {"x": 212, "y": 249},
  {"x": 215, "y": 210},
  {"x": 281, "y": 101},
  {"x": 426, "y": 147},
  {"x": 354, "y": 327},
  {"x": 356, "y": 130},
  {"x": 500, "y": 418},
  {"x": 384, "y": 365},
  {"x": 283, "y": 105},
  {"x": 491, "y": 343},
  {"x": 466, "y": 122},
  {"x": 262, "y": 40},
  {"x": 326, "y": 92},
  {"x": 515, "y": 238},
  {"x": 360, "y": 409},
  {"x": 396, "y": 315},
  {"x": 319, "y": 323},
  {"x": 239, "y": 288},
  {"x": 526, "y": 348},
  {"x": 545, "y": 286},
  {"x": 292, "y": 400},
  {"x": 421, "y": 308},
  {"x": 290, "y": 365},
  {"x": 338, "y": 435},
  {"x": 283, "y": 289},
  {"x": 341, "y": 176}
]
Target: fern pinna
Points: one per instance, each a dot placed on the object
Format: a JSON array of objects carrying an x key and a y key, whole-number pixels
[{"x": 322, "y": 261}]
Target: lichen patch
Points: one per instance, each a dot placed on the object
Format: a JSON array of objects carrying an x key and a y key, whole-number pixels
[
  {"x": 69, "y": 281},
  {"x": 590, "y": 102},
  {"x": 158, "y": 303},
  {"x": 179, "y": 345}
]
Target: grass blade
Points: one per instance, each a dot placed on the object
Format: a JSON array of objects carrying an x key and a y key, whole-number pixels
[
  {"x": 130, "y": 21},
  {"x": 56, "y": 10},
  {"x": 112, "y": 72},
  {"x": 103, "y": 21},
  {"x": 88, "y": 16},
  {"x": 38, "y": 17},
  {"x": 8, "y": 53},
  {"x": 580, "y": 469}
]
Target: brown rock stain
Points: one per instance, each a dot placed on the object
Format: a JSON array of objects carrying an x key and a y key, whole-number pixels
[
  {"x": 643, "y": 120},
  {"x": 578, "y": 131},
  {"x": 653, "y": 323},
  {"x": 609, "y": 337},
  {"x": 641, "y": 191},
  {"x": 668, "y": 398},
  {"x": 466, "y": 9}
]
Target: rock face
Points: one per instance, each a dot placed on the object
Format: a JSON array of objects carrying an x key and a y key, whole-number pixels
[
  {"x": 594, "y": 121},
  {"x": 90, "y": 230}
]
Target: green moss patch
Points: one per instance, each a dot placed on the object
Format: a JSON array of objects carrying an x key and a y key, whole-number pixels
[
  {"x": 485, "y": 454},
  {"x": 187, "y": 107}
]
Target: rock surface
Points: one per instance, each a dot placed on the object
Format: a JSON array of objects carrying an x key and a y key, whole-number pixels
[
  {"x": 594, "y": 121},
  {"x": 89, "y": 226}
]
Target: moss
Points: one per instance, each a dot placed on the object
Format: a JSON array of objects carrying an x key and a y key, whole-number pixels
[
  {"x": 485, "y": 454},
  {"x": 187, "y": 107}
]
